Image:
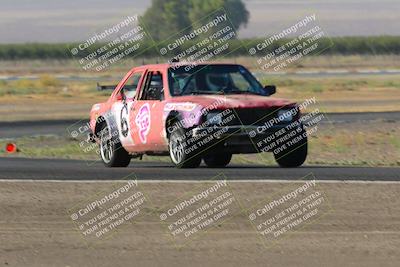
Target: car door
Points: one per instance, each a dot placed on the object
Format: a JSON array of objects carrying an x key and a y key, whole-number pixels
[
  {"x": 147, "y": 113},
  {"x": 123, "y": 106}
]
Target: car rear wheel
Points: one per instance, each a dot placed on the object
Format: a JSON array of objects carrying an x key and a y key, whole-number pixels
[
  {"x": 217, "y": 160},
  {"x": 111, "y": 151},
  {"x": 179, "y": 149}
]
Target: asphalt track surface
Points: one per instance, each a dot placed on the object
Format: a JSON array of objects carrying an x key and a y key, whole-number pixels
[
  {"x": 57, "y": 169},
  {"x": 60, "y": 127}
]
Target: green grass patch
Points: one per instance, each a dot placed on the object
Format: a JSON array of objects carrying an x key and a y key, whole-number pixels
[
  {"x": 50, "y": 86},
  {"x": 320, "y": 85}
]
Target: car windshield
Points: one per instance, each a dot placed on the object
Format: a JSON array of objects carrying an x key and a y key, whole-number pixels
[{"x": 212, "y": 79}]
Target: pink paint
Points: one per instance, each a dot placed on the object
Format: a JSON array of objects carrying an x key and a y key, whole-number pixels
[{"x": 143, "y": 122}]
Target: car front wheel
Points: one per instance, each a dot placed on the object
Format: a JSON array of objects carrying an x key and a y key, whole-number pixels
[{"x": 179, "y": 150}]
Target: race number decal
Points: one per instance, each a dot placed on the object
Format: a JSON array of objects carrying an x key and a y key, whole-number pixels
[
  {"x": 143, "y": 122},
  {"x": 121, "y": 115}
]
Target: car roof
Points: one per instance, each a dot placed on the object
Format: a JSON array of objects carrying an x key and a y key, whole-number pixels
[{"x": 168, "y": 65}]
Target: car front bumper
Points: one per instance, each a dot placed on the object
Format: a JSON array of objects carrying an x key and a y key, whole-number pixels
[{"x": 234, "y": 139}]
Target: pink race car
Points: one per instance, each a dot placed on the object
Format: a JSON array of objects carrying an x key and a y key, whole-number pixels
[{"x": 194, "y": 113}]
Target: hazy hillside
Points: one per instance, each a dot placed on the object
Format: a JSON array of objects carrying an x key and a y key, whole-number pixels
[{"x": 63, "y": 21}]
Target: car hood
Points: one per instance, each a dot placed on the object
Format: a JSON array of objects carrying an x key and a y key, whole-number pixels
[{"x": 233, "y": 101}]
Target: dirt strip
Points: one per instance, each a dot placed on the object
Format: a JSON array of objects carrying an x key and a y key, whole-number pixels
[{"x": 356, "y": 225}]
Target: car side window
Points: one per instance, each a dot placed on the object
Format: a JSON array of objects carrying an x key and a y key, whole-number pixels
[
  {"x": 239, "y": 82},
  {"x": 131, "y": 85},
  {"x": 153, "y": 88}
]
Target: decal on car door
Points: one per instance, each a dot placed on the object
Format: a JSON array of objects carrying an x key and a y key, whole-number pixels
[{"x": 143, "y": 122}]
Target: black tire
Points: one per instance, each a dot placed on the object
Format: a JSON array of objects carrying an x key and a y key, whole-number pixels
[
  {"x": 111, "y": 151},
  {"x": 294, "y": 156},
  {"x": 178, "y": 149},
  {"x": 217, "y": 160}
]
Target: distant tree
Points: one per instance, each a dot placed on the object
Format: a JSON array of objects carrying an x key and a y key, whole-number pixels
[
  {"x": 236, "y": 10},
  {"x": 167, "y": 17}
]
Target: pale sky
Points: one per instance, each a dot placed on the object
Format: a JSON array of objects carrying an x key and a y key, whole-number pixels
[{"x": 75, "y": 20}]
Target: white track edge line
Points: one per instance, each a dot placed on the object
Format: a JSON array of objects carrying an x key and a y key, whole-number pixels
[{"x": 201, "y": 181}]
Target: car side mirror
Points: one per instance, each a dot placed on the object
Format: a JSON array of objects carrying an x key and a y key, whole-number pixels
[{"x": 270, "y": 89}]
